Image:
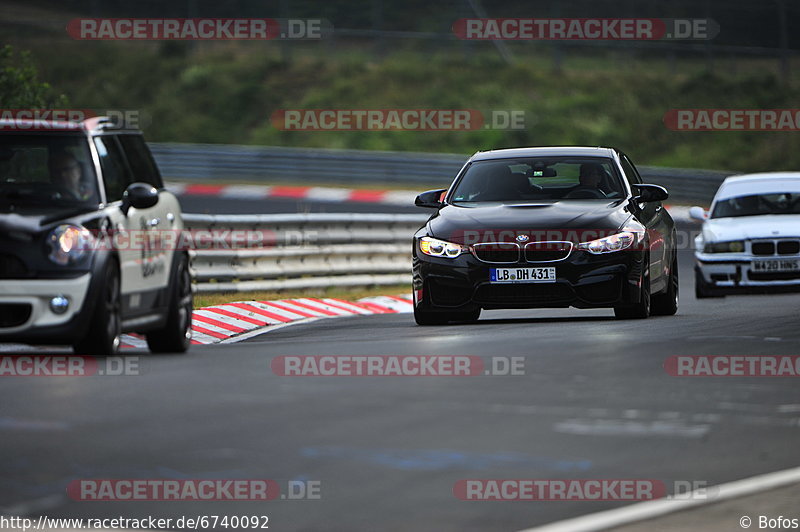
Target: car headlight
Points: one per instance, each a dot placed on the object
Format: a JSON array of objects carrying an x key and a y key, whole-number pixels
[
  {"x": 440, "y": 248},
  {"x": 734, "y": 246},
  {"x": 69, "y": 244},
  {"x": 611, "y": 243}
]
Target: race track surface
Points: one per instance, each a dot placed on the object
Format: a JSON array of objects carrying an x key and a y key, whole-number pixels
[{"x": 594, "y": 402}]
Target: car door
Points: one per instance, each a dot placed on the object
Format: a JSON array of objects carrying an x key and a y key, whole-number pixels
[
  {"x": 135, "y": 247},
  {"x": 160, "y": 220},
  {"x": 654, "y": 217}
]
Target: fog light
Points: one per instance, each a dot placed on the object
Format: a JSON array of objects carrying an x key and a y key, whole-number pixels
[{"x": 59, "y": 304}]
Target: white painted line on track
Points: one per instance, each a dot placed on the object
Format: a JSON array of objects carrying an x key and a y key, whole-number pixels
[
  {"x": 264, "y": 330},
  {"x": 651, "y": 509}
]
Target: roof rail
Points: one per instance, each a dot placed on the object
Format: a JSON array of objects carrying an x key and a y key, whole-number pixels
[{"x": 106, "y": 122}]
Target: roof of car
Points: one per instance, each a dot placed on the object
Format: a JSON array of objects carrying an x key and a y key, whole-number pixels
[
  {"x": 761, "y": 183},
  {"x": 762, "y": 176},
  {"x": 545, "y": 151},
  {"x": 89, "y": 125}
]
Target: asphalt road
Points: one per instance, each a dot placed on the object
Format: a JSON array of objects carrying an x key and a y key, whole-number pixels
[{"x": 594, "y": 402}]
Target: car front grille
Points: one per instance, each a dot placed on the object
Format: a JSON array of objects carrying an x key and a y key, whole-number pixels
[
  {"x": 773, "y": 247},
  {"x": 547, "y": 251},
  {"x": 14, "y": 314},
  {"x": 763, "y": 248},
  {"x": 511, "y": 253},
  {"x": 497, "y": 252},
  {"x": 788, "y": 247},
  {"x": 529, "y": 293},
  {"x": 11, "y": 267}
]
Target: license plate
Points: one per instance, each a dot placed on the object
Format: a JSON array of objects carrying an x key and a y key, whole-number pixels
[
  {"x": 775, "y": 265},
  {"x": 522, "y": 275}
]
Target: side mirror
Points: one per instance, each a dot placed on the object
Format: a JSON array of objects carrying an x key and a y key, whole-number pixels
[
  {"x": 431, "y": 199},
  {"x": 139, "y": 196},
  {"x": 648, "y": 193},
  {"x": 698, "y": 213}
]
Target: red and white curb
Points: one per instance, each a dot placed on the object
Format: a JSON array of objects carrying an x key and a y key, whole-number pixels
[
  {"x": 212, "y": 325},
  {"x": 329, "y": 194}
]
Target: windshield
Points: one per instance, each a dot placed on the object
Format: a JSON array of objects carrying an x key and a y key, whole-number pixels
[
  {"x": 538, "y": 178},
  {"x": 52, "y": 171},
  {"x": 757, "y": 204}
]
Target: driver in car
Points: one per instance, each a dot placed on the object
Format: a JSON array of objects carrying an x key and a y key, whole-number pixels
[
  {"x": 591, "y": 174},
  {"x": 66, "y": 171}
]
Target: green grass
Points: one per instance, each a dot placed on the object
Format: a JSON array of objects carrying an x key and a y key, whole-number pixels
[{"x": 226, "y": 93}]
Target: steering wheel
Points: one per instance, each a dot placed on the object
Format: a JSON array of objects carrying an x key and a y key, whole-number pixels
[
  {"x": 58, "y": 192},
  {"x": 586, "y": 193}
]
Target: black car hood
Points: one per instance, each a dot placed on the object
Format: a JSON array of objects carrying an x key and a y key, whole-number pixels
[
  {"x": 453, "y": 222},
  {"x": 25, "y": 224}
]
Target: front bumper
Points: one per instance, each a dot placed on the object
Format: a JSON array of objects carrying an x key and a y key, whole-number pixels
[
  {"x": 583, "y": 280},
  {"x": 26, "y": 313},
  {"x": 735, "y": 271}
]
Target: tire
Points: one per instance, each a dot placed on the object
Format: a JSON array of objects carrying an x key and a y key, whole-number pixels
[
  {"x": 105, "y": 326},
  {"x": 702, "y": 289},
  {"x": 423, "y": 317},
  {"x": 641, "y": 309},
  {"x": 469, "y": 316},
  {"x": 176, "y": 336},
  {"x": 666, "y": 304}
]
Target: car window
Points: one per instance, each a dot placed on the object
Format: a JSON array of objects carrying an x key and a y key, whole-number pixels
[
  {"x": 631, "y": 174},
  {"x": 46, "y": 170},
  {"x": 757, "y": 205},
  {"x": 115, "y": 175},
  {"x": 140, "y": 160},
  {"x": 539, "y": 178}
]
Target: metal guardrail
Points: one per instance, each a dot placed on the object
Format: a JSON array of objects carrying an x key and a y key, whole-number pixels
[
  {"x": 200, "y": 162},
  {"x": 685, "y": 185},
  {"x": 221, "y": 162},
  {"x": 296, "y": 251}
]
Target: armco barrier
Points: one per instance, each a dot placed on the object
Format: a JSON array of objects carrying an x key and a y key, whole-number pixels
[
  {"x": 319, "y": 250},
  {"x": 298, "y": 251},
  {"x": 222, "y": 162}
]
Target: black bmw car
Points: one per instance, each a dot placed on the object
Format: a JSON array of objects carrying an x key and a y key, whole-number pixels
[{"x": 545, "y": 227}]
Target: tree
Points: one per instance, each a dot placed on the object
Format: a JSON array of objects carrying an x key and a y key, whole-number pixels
[{"x": 20, "y": 87}]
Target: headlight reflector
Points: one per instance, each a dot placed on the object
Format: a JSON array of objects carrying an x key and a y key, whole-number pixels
[
  {"x": 611, "y": 243},
  {"x": 734, "y": 246},
  {"x": 69, "y": 244},
  {"x": 439, "y": 248}
]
